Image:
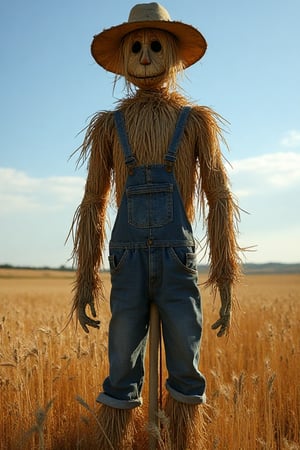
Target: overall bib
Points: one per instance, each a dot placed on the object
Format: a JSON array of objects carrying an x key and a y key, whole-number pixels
[{"x": 152, "y": 259}]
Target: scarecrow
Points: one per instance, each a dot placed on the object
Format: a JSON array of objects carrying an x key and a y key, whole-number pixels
[{"x": 159, "y": 155}]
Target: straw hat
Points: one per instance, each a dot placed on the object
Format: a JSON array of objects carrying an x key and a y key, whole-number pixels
[{"x": 106, "y": 46}]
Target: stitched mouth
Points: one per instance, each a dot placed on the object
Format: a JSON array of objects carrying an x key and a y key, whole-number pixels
[{"x": 147, "y": 76}]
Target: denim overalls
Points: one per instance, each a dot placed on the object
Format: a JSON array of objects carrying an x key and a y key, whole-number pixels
[{"x": 152, "y": 259}]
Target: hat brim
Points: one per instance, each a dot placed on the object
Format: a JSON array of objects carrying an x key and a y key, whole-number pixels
[{"x": 106, "y": 45}]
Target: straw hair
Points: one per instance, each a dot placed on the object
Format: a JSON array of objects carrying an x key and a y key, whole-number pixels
[
  {"x": 150, "y": 119},
  {"x": 106, "y": 47}
]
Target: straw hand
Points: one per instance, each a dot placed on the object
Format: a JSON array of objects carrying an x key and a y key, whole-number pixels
[
  {"x": 84, "y": 320},
  {"x": 225, "y": 312}
]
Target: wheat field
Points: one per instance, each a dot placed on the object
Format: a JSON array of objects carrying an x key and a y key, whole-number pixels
[{"x": 50, "y": 376}]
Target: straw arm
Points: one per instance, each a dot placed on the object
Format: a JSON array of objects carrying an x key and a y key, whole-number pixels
[
  {"x": 221, "y": 215},
  {"x": 224, "y": 250},
  {"x": 222, "y": 218},
  {"x": 88, "y": 227}
]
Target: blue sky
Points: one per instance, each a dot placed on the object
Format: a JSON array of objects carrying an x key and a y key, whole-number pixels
[{"x": 50, "y": 86}]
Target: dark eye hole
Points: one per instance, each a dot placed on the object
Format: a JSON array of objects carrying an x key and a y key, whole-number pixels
[
  {"x": 156, "y": 46},
  {"x": 136, "y": 47}
]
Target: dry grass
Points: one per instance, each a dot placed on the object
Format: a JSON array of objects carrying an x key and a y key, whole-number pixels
[{"x": 49, "y": 379}]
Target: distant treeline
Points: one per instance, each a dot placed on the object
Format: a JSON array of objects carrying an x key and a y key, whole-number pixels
[
  {"x": 249, "y": 268},
  {"x": 60, "y": 268},
  {"x": 271, "y": 268}
]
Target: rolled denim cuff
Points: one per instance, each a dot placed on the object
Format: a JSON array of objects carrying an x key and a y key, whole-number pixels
[
  {"x": 118, "y": 404},
  {"x": 182, "y": 398}
]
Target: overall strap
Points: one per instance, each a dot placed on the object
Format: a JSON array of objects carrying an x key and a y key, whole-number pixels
[
  {"x": 170, "y": 156},
  {"x": 130, "y": 160}
]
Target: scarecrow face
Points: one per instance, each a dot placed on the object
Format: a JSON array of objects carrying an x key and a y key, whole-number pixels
[{"x": 147, "y": 58}]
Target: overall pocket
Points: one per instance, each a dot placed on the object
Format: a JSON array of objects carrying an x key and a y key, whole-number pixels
[
  {"x": 117, "y": 258},
  {"x": 150, "y": 205},
  {"x": 184, "y": 258}
]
